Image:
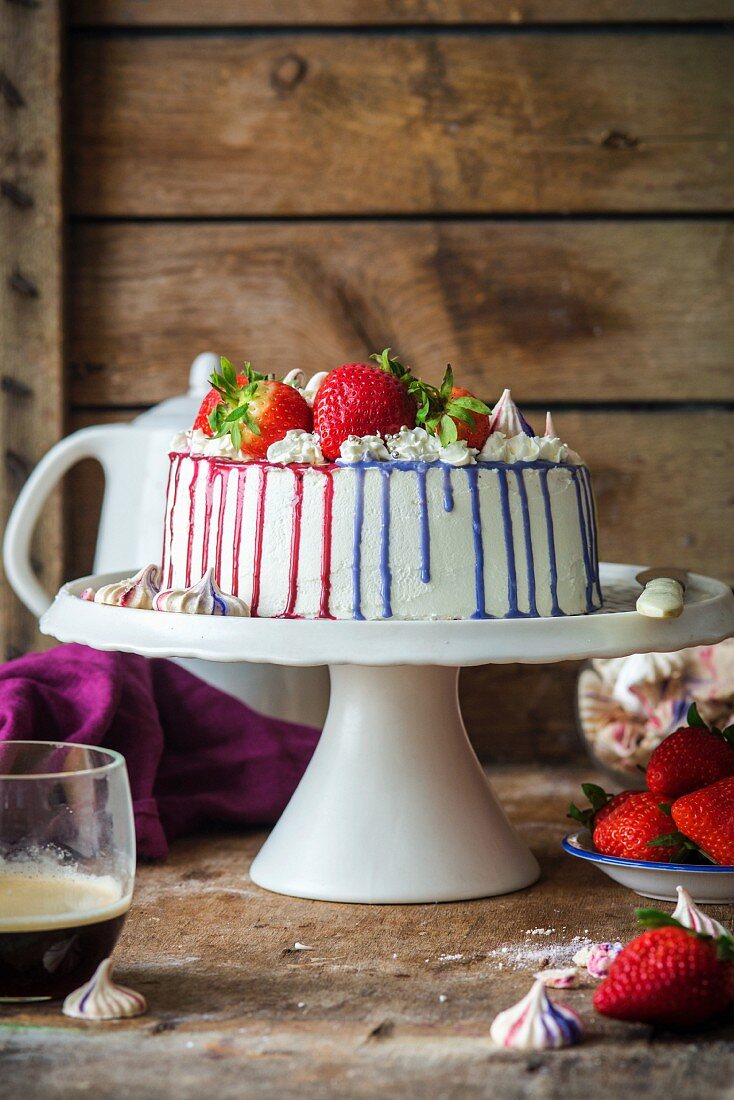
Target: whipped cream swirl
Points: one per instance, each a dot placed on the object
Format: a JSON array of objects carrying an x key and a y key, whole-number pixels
[
  {"x": 138, "y": 591},
  {"x": 414, "y": 445},
  {"x": 526, "y": 448},
  {"x": 196, "y": 442},
  {"x": 357, "y": 448},
  {"x": 203, "y": 598},
  {"x": 103, "y": 999},
  {"x": 689, "y": 915},
  {"x": 297, "y": 446},
  {"x": 537, "y": 1023}
]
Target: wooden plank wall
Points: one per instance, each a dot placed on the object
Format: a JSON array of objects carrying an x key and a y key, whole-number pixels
[
  {"x": 539, "y": 192},
  {"x": 31, "y": 322}
]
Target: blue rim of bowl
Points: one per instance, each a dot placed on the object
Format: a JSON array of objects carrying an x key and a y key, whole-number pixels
[{"x": 639, "y": 864}]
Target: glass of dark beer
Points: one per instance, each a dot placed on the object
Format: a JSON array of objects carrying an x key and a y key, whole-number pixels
[{"x": 67, "y": 864}]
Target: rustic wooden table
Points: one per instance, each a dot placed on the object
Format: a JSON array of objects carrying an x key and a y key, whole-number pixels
[{"x": 391, "y": 1000}]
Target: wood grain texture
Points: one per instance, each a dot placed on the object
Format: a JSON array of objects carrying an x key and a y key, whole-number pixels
[
  {"x": 386, "y": 123},
  {"x": 235, "y": 1011},
  {"x": 610, "y": 311},
  {"x": 163, "y": 13},
  {"x": 31, "y": 325}
]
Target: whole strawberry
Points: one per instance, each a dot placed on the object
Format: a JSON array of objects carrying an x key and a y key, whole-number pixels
[
  {"x": 360, "y": 399},
  {"x": 690, "y": 758},
  {"x": 707, "y": 817},
  {"x": 448, "y": 411},
  {"x": 602, "y": 804},
  {"x": 473, "y": 428},
  {"x": 669, "y": 975},
  {"x": 634, "y": 829},
  {"x": 252, "y": 409}
]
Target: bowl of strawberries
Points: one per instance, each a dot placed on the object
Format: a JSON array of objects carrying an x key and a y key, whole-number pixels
[{"x": 679, "y": 829}]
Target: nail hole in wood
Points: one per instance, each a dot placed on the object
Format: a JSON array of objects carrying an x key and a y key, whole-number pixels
[
  {"x": 617, "y": 139},
  {"x": 21, "y": 285},
  {"x": 288, "y": 72},
  {"x": 16, "y": 195},
  {"x": 10, "y": 93},
  {"x": 14, "y": 387}
]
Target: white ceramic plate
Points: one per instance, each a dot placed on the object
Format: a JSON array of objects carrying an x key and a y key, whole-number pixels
[{"x": 712, "y": 885}]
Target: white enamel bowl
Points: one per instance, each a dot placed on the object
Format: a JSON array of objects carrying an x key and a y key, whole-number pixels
[{"x": 705, "y": 884}]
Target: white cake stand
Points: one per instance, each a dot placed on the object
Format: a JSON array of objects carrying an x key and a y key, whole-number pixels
[{"x": 394, "y": 806}]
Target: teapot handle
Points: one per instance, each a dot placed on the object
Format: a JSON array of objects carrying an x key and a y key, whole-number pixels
[{"x": 96, "y": 442}]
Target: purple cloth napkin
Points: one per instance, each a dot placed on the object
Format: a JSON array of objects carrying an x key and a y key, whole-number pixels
[{"x": 195, "y": 756}]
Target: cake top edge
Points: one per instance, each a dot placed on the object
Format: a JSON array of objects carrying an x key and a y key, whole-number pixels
[{"x": 378, "y": 412}]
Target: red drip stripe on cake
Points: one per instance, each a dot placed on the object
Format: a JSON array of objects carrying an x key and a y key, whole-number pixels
[
  {"x": 166, "y": 520},
  {"x": 224, "y": 473},
  {"x": 259, "y": 521},
  {"x": 192, "y": 510},
  {"x": 295, "y": 545},
  {"x": 241, "y": 484},
  {"x": 208, "y": 507},
  {"x": 326, "y": 536},
  {"x": 169, "y": 582}
]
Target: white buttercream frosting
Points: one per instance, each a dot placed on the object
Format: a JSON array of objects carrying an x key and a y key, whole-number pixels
[
  {"x": 103, "y": 999},
  {"x": 537, "y": 1023},
  {"x": 566, "y": 977},
  {"x": 522, "y": 448},
  {"x": 526, "y": 448},
  {"x": 458, "y": 453},
  {"x": 414, "y": 444},
  {"x": 507, "y": 418},
  {"x": 297, "y": 446},
  {"x": 138, "y": 591},
  {"x": 688, "y": 913},
  {"x": 356, "y": 448},
  {"x": 203, "y": 598},
  {"x": 197, "y": 442}
]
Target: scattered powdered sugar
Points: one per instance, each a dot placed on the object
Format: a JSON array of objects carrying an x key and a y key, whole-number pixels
[
  {"x": 521, "y": 956},
  {"x": 449, "y": 958}
]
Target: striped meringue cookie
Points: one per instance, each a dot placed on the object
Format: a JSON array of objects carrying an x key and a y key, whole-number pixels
[
  {"x": 508, "y": 419},
  {"x": 688, "y": 913},
  {"x": 138, "y": 591},
  {"x": 102, "y": 999},
  {"x": 203, "y": 598},
  {"x": 537, "y": 1023}
]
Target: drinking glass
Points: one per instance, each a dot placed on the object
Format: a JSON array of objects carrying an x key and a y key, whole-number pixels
[{"x": 67, "y": 864}]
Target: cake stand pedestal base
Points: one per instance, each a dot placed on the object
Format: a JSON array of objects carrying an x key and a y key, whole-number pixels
[{"x": 394, "y": 806}]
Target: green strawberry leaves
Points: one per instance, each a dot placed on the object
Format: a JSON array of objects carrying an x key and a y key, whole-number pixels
[
  {"x": 693, "y": 718},
  {"x": 234, "y": 411},
  {"x": 597, "y": 796},
  {"x": 654, "y": 918},
  {"x": 437, "y": 411}
]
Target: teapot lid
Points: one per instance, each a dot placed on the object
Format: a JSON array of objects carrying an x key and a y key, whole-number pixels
[{"x": 180, "y": 412}]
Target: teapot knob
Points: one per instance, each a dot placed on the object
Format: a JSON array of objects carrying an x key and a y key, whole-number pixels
[{"x": 201, "y": 371}]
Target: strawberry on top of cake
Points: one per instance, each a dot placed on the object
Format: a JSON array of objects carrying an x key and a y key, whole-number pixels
[{"x": 368, "y": 493}]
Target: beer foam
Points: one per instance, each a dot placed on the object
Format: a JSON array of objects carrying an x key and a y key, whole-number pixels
[{"x": 40, "y": 896}]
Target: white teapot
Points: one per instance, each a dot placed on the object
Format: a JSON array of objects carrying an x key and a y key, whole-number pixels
[{"x": 134, "y": 456}]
